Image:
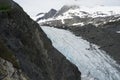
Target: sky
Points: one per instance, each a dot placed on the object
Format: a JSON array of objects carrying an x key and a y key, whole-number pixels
[{"x": 33, "y": 7}]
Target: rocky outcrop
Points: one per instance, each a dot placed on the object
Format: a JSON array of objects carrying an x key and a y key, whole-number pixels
[
  {"x": 9, "y": 72},
  {"x": 50, "y": 14},
  {"x": 27, "y": 52}
]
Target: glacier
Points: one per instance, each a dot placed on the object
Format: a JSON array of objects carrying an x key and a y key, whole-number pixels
[{"x": 93, "y": 63}]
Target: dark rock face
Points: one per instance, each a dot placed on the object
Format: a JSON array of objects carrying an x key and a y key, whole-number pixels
[
  {"x": 50, "y": 14},
  {"x": 33, "y": 51}
]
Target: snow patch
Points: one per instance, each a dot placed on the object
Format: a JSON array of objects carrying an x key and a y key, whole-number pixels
[
  {"x": 81, "y": 24},
  {"x": 62, "y": 20},
  {"x": 117, "y": 31},
  {"x": 98, "y": 11}
]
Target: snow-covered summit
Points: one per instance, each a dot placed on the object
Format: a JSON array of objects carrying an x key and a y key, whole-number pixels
[
  {"x": 98, "y": 11},
  {"x": 74, "y": 14}
]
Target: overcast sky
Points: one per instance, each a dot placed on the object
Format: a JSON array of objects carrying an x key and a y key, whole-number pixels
[{"x": 33, "y": 7}]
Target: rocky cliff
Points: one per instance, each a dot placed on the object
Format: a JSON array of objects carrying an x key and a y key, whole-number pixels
[{"x": 25, "y": 51}]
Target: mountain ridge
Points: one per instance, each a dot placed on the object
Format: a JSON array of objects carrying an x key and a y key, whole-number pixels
[{"x": 83, "y": 15}]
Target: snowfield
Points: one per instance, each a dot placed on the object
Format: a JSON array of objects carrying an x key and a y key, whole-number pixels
[
  {"x": 93, "y": 63},
  {"x": 98, "y": 11},
  {"x": 117, "y": 31}
]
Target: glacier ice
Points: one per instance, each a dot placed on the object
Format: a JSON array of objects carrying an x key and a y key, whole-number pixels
[{"x": 93, "y": 63}]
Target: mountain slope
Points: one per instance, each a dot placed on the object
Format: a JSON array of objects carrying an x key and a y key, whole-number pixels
[{"x": 27, "y": 52}]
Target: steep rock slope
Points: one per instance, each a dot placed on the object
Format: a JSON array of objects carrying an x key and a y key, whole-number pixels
[{"x": 27, "y": 49}]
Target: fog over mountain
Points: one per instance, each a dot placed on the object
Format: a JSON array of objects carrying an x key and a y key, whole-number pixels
[{"x": 32, "y": 7}]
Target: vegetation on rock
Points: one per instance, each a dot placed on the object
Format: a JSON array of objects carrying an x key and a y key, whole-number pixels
[{"x": 5, "y": 5}]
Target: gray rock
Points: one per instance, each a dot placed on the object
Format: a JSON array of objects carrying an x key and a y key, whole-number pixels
[{"x": 8, "y": 72}]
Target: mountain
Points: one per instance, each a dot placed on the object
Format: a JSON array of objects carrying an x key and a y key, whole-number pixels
[
  {"x": 26, "y": 53},
  {"x": 64, "y": 9},
  {"x": 89, "y": 38},
  {"x": 50, "y": 14},
  {"x": 79, "y": 16}
]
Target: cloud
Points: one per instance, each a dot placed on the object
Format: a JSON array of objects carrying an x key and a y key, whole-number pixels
[{"x": 32, "y": 7}]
